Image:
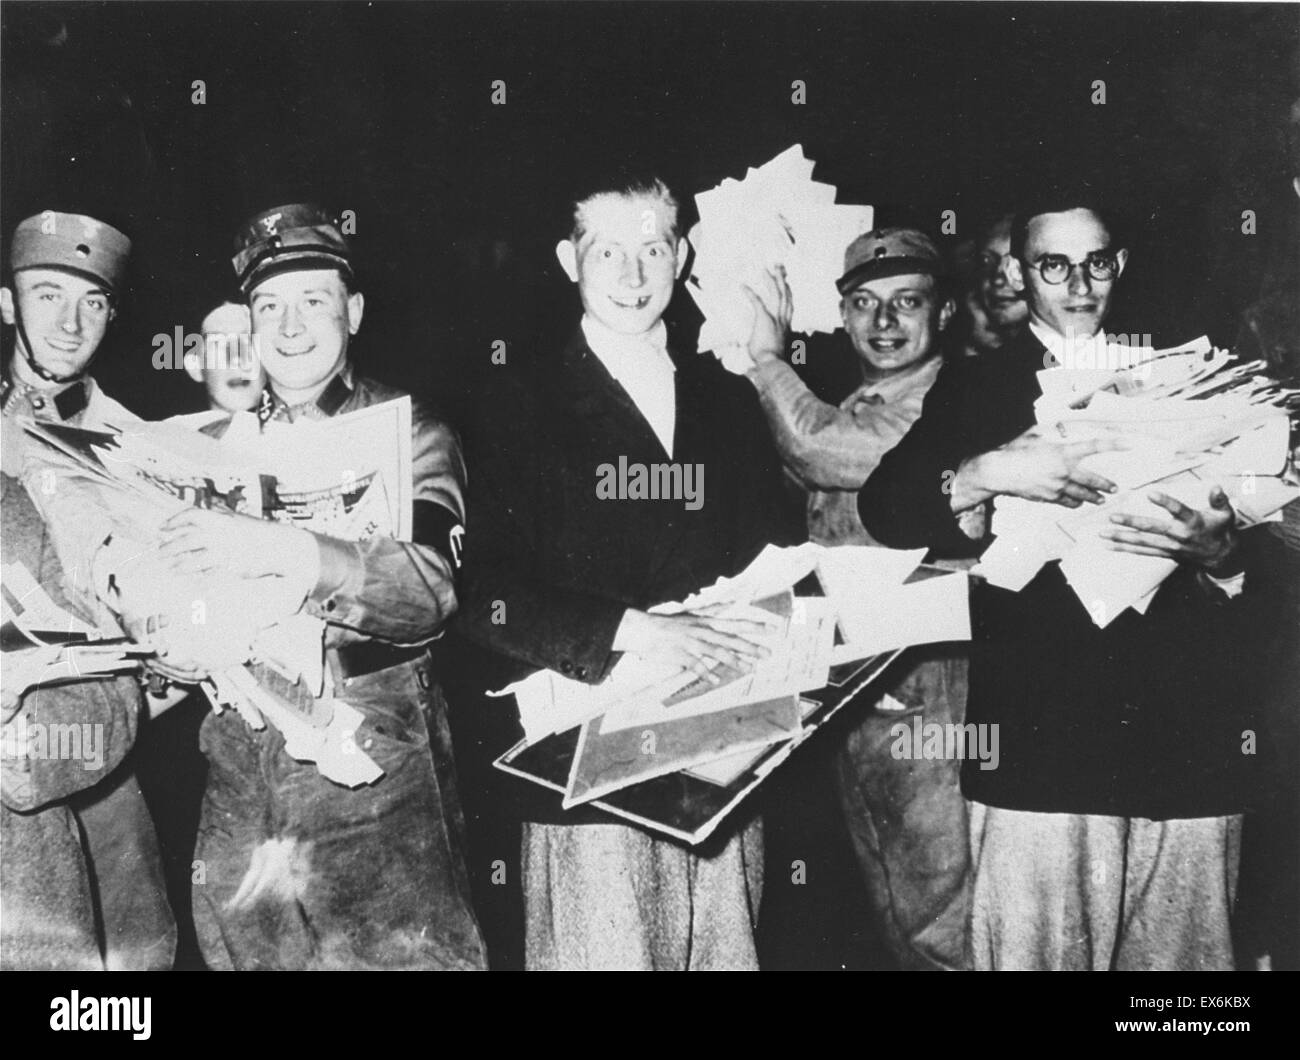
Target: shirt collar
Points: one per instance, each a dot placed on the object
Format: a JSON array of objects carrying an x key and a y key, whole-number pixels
[
  {"x": 624, "y": 353},
  {"x": 891, "y": 387},
  {"x": 1056, "y": 344}
]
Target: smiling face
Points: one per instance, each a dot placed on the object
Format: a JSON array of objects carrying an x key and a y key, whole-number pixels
[
  {"x": 301, "y": 325},
  {"x": 1079, "y": 306},
  {"x": 64, "y": 317},
  {"x": 625, "y": 261},
  {"x": 894, "y": 322},
  {"x": 1003, "y": 304}
]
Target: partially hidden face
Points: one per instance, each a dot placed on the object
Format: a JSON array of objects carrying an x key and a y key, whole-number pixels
[
  {"x": 63, "y": 315},
  {"x": 1078, "y": 306},
  {"x": 625, "y": 262},
  {"x": 895, "y": 321},
  {"x": 1004, "y": 304},
  {"x": 230, "y": 368},
  {"x": 301, "y": 324}
]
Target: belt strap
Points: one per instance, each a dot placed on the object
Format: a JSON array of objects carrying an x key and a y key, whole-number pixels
[{"x": 371, "y": 656}]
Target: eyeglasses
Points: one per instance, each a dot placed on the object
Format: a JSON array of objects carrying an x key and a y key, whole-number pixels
[
  {"x": 990, "y": 262},
  {"x": 1057, "y": 268}
]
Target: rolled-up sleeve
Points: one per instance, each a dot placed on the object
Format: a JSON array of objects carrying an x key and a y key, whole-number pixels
[{"x": 827, "y": 447}]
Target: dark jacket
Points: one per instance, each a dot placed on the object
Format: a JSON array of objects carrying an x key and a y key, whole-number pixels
[
  {"x": 550, "y": 567},
  {"x": 1146, "y": 718}
]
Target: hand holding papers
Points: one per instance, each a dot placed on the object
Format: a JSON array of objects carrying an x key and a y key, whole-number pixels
[
  {"x": 1179, "y": 426},
  {"x": 776, "y": 218},
  {"x": 195, "y": 563},
  {"x": 652, "y": 719},
  {"x": 45, "y": 644}
]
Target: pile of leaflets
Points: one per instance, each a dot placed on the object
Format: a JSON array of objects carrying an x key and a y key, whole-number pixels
[
  {"x": 647, "y": 721},
  {"x": 776, "y": 215},
  {"x": 1187, "y": 419},
  {"x": 348, "y": 477}
]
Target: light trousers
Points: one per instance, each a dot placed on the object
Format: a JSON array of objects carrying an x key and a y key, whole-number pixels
[
  {"x": 611, "y": 897},
  {"x": 1067, "y": 891}
]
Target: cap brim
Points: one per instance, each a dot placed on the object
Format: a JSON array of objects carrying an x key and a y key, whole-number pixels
[
  {"x": 879, "y": 269},
  {"x": 85, "y": 274},
  {"x": 294, "y": 261}
]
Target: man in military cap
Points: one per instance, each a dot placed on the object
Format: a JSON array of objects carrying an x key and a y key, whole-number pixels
[
  {"x": 66, "y": 276},
  {"x": 895, "y": 304},
  {"x": 907, "y": 819},
  {"x": 301, "y": 872}
]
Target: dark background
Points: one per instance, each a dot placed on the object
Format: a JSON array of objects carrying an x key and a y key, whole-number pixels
[{"x": 385, "y": 109}]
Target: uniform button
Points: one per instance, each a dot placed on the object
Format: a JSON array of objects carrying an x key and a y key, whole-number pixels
[
  {"x": 581, "y": 671},
  {"x": 566, "y": 667},
  {"x": 331, "y": 604},
  {"x": 38, "y": 403},
  {"x": 422, "y": 679}
]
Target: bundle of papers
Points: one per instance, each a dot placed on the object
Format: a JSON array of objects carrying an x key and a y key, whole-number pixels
[
  {"x": 646, "y": 720},
  {"x": 776, "y": 215},
  {"x": 44, "y": 644},
  {"x": 348, "y": 477},
  {"x": 1187, "y": 420}
]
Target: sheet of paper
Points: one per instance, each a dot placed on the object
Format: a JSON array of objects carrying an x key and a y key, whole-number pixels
[
  {"x": 800, "y": 662},
  {"x": 775, "y": 215},
  {"x": 930, "y": 611},
  {"x": 607, "y": 761}
]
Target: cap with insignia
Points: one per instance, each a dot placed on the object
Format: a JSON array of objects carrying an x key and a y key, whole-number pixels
[
  {"x": 889, "y": 252},
  {"x": 289, "y": 238},
  {"x": 71, "y": 242}
]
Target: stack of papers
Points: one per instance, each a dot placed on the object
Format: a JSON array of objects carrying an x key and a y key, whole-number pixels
[
  {"x": 44, "y": 644},
  {"x": 1188, "y": 419},
  {"x": 776, "y": 215},
  {"x": 646, "y": 720},
  {"x": 348, "y": 477}
]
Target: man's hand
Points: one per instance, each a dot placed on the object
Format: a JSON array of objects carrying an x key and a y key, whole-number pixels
[
  {"x": 1205, "y": 539},
  {"x": 1036, "y": 468},
  {"x": 201, "y": 542},
  {"x": 698, "y": 642},
  {"x": 773, "y": 306}
]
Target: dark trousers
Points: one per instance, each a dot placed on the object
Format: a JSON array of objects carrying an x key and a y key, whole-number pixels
[
  {"x": 907, "y": 818},
  {"x": 295, "y": 871},
  {"x": 126, "y": 871}
]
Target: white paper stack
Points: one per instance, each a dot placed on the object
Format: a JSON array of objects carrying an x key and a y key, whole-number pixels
[
  {"x": 1189, "y": 420},
  {"x": 776, "y": 215}
]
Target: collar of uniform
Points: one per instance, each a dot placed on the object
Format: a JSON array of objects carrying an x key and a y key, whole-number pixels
[
  {"x": 894, "y": 386},
  {"x": 67, "y": 399},
  {"x": 327, "y": 402}
]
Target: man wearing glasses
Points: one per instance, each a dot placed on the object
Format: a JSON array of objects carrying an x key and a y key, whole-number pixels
[{"x": 1108, "y": 835}]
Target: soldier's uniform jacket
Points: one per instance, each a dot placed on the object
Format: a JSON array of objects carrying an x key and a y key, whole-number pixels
[
  {"x": 49, "y": 920},
  {"x": 392, "y": 591},
  {"x": 80, "y": 403}
]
